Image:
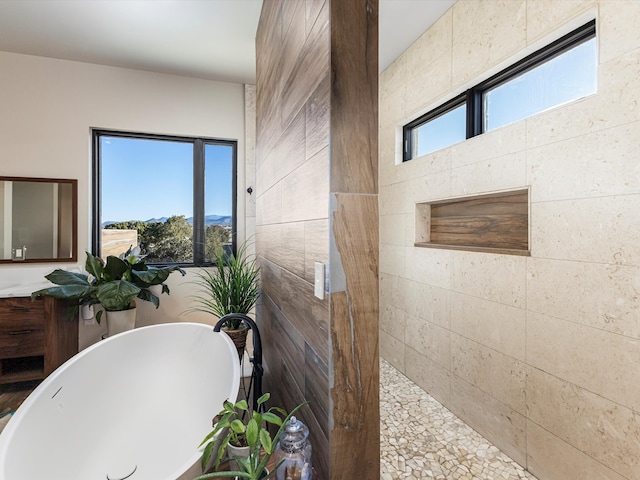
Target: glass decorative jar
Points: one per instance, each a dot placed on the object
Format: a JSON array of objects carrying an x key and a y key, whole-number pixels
[{"x": 294, "y": 451}]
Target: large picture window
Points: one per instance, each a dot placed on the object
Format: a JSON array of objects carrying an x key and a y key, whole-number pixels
[
  {"x": 174, "y": 197},
  {"x": 559, "y": 73}
]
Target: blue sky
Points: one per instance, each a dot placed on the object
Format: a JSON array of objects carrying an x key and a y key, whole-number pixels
[{"x": 143, "y": 179}]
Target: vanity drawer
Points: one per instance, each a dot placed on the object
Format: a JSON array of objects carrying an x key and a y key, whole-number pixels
[
  {"x": 21, "y": 343},
  {"x": 21, "y": 327},
  {"x": 20, "y": 309}
]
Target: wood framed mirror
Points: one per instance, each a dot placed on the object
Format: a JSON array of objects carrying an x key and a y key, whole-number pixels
[{"x": 38, "y": 220}]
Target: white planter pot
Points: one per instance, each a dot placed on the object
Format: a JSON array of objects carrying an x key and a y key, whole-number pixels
[
  {"x": 121, "y": 321},
  {"x": 233, "y": 451}
]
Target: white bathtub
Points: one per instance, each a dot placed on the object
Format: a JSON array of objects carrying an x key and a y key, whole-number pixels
[{"x": 133, "y": 406}]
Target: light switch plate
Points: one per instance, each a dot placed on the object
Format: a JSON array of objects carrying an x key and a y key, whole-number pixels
[{"x": 318, "y": 284}]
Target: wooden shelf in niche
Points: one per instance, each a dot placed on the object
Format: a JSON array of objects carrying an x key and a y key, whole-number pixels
[{"x": 495, "y": 222}]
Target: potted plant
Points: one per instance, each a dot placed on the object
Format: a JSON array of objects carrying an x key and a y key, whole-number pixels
[
  {"x": 259, "y": 443},
  {"x": 114, "y": 284},
  {"x": 231, "y": 286}
]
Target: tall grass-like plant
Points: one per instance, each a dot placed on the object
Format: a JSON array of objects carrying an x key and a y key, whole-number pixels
[{"x": 231, "y": 286}]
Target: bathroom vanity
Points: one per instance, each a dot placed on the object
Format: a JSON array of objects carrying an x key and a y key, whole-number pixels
[
  {"x": 38, "y": 224},
  {"x": 35, "y": 337}
]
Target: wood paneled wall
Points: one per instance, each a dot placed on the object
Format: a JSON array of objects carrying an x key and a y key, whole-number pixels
[{"x": 316, "y": 201}]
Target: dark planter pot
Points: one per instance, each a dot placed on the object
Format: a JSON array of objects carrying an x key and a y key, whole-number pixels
[{"x": 239, "y": 338}]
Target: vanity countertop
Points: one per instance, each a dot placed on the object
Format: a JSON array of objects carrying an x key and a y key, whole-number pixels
[{"x": 22, "y": 290}]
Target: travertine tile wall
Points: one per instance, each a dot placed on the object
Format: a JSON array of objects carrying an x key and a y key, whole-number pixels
[{"x": 540, "y": 354}]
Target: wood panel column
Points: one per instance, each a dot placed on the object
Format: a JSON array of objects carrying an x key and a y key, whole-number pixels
[
  {"x": 316, "y": 201},
  {"x": 355, "y": 436}
]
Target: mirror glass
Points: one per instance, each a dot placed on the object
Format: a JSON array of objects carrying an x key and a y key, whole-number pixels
[{"x": 38, "y": 219}]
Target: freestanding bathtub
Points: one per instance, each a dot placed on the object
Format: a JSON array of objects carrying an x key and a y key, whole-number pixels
[{"x": 132, "y": 406}]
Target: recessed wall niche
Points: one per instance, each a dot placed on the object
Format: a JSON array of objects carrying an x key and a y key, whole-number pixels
[{"x": 494, "y": 222}]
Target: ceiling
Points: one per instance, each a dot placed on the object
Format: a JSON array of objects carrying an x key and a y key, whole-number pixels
[{"x": 211, "y": 39}]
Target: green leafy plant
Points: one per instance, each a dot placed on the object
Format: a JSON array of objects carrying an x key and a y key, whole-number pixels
[
  {"x": 255, "y": 432},
  {"x": 231, "y": 286},
  {"x": 114, "y": 284}
]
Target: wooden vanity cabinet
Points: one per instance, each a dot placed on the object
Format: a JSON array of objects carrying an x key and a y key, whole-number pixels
[{"x": 35, "y": 337}]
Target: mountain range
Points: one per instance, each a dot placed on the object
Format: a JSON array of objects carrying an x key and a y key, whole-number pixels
[{"x": 224, "y": 220}]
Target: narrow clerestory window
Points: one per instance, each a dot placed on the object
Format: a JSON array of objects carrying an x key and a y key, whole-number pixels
[{"x": 561, "y": 72}]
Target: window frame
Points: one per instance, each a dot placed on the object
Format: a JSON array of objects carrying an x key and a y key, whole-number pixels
[
  {"x": 199, "y": 227},
  {"x": 407, "y": 130},
  {"x": 473, "y": 97}
]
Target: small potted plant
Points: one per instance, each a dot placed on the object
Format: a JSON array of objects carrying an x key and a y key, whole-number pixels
[
  {"x": 260, "y": 445},
  {"x": 231, "y": 286},
  {"x": 114, "y": 284}
]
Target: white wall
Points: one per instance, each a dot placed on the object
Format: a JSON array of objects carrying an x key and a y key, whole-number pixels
[
  {"x": 48, "y": 109},
  {"x": 540, "y": 353}
]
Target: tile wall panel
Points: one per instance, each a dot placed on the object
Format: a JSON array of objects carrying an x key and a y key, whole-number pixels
[
  {"x": 313, "y": 9},
  {"x": 429, "y": 375},
  {"x": 495, "y": 420},
  {"x": 567, "y": 290},
  {"x": 479, "y": 32},
  {"x": 393, "y": 350},
  {"x": 510, "y": 139},
  {"x": 269, "y": 205},
  {"x": 574, "y": 352},
  {"x": 307, "y": 314},
  {"x": 428, "y": 339},
  {"x": 492, "y": 324},
  {"x": 317, "y": 119},
  {"x": 392, "y": 321},
  {"x": 543, "y": 16},
  {"x": 394, "y": 259},
  {"x": 597, "y": 426},
  {"x": 304, "y": 190},
  {"x": 593, "y": 165},
  {"x": 610, "y": 236},
  {"x": 291, "y": 147},
  {"x": 391, "y": 290},
  {"x": 494, "y": 373},
  {"x": 550, "y": 458},
  {"x": 430, "y": 266},
  {"x": 428, "y": 302},
  {"x": 309, "y": 68},
  {"x": 499, "y": 278},
  {"x": 499, "y": 173},
  {"x": 617, "y": 25},
  {"x": 316, "y": 246}
]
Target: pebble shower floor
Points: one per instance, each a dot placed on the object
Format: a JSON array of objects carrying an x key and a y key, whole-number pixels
[{"x": 419, "y": 438}]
